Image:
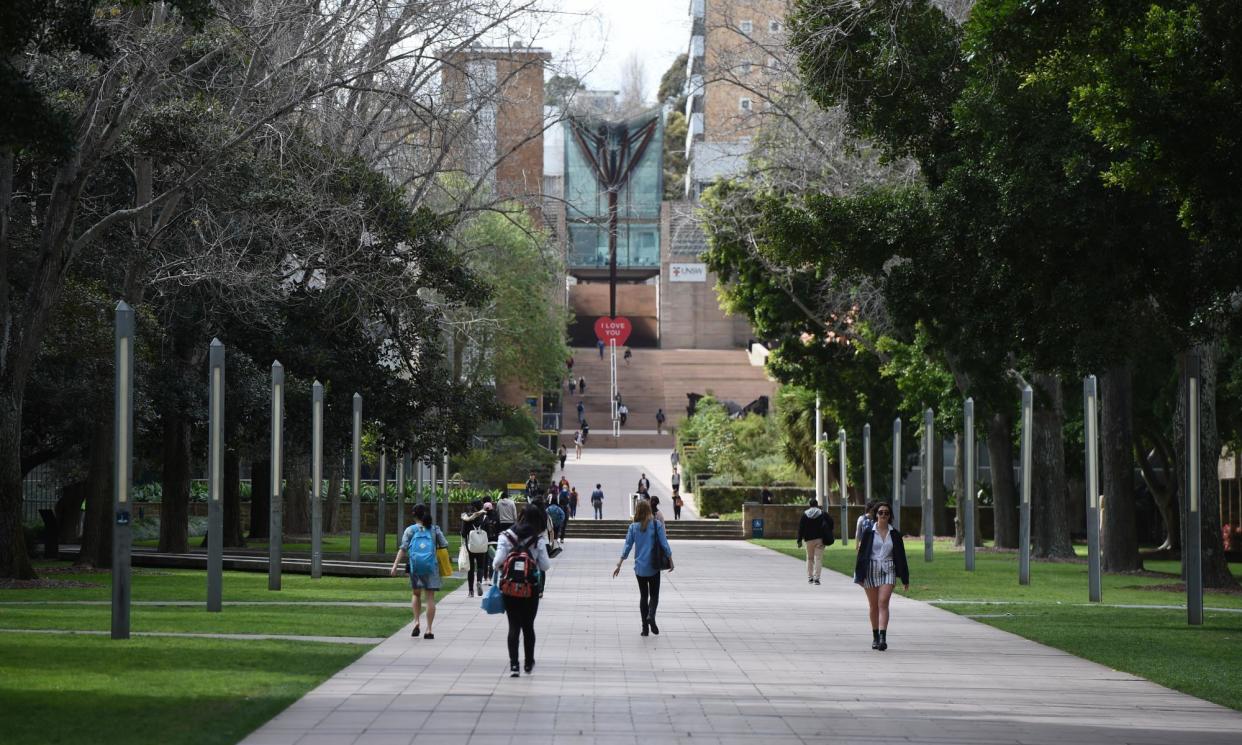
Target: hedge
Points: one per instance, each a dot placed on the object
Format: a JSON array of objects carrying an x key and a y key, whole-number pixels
[{"x": 720, "y": 499}]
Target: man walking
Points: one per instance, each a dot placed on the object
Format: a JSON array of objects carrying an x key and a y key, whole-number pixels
[
  {"x": 532, "y": 487},
  {"x": 581, "y": 411},
  {"x": 506, "y": 513},
  {"x": 675, "y": 481},
  {"x": 674, "y": 459},
  {"x": 644, "y": 486},
  {"x": 597, "y": 502},
  {"x": 600, "y": 345},
  {"x": 660, "y": 419},
  {"x": 815, "y": 529}
]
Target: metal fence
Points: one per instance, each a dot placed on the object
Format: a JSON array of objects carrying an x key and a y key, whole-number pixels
[{"x": 41, "y": 489}]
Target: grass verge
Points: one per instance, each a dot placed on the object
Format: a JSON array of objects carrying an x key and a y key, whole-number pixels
[{"x": 1154, "y": 643}]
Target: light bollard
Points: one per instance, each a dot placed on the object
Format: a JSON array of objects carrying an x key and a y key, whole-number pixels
[
  {"x": 1091, "y": 460},
  {"x": 215, "y": 477},
  {"x": 317, "y": 480},
  {"x": 381, "y": 544},
  {"x": 401, "y": 475},
  {"x": 444, "y": 509},
  {"x": 123, "y": 465},
  {"x": 866, "y": 463},
  {"x": 435, "y": 495},
  {"x": 929, "y": 486},
  {"x": 843, "y": 481},
  {"x": 1024, "y": 506},
  {"x": 355, "y": 501},
  {"x": 967, "y": 499},
  {"x": 1193, "y": 555},
  {"x": 276, "y": 508},
  {"x": 896, "y": 505},
  {"x": 819, "y": 439}
]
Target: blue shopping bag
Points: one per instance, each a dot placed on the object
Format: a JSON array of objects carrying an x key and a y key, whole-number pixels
[{"x": 493, "y": 601}]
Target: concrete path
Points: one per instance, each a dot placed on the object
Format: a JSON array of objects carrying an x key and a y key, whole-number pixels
[
  {"x": 749, "y": 654},
  {"x": 618, "y": 471}
]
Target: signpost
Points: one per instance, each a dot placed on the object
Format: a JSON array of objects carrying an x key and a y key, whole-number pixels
[
  {"x": 317, "y": 480},
  {"x": 123, "y": 466},
  {"x": 1024, "y": 524},
  {"x": 843, "y": 481},
  {"x": 896, "y": 505},
  {"x": 968, "y": 482},
  {"x": 1091, "y": 446},
  {"x": 276, "y": 508},
  {"x": 215, "y": 476},
  {"x": 1193, "y": 555},
  {"x": 929, "y": 468},
  {"x": 355, "y": 502}
]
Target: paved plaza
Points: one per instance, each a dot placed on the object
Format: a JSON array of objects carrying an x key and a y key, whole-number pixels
[
  {"x": 749, "y": 653},
  {"x": 618, "y": 471}
]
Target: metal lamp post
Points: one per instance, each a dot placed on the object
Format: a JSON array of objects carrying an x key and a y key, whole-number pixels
[
  {"x": 819, "y": 452},
  {"x": 355, "y": 502},
  {"x": 866, "y": 463},
  {"x": 897, "y": 473},
  {"x": 382, "y": 499},
  {"x": 1024, "y": 523},
  {"x": 1194, "y": 519},
  {"x": 843, "y": 481},
  {"x": 123, "y": 465},
  {"x": 445, "y": 506},
  {"x": 967, "y": 500},
  {"x": 317, "y": 480},
  {"x": 929, "y": 462},
  {"x": 401, "y": 476},
  {"x": 1091, "y": 446},
  {"x": 276, "y": 507},
  {"x": 215, "y": 477}
]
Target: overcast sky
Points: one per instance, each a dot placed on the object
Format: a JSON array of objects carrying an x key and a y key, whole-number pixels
[{"x": 593, "y": 38}]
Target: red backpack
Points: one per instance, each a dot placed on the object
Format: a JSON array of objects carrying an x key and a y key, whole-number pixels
[{"x": 519, "y": 574}]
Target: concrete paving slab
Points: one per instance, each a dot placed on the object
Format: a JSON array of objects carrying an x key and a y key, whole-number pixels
[{"x": 749, "y": 654}]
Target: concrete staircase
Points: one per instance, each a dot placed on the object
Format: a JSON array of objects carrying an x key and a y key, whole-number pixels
[
  {"x": 654, "y": 379},
  {"x": 678, "y": 530}
]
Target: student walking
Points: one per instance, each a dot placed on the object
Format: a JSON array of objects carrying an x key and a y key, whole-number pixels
[
  {"x": 655, "y": 509},
  {"x": 597, "y": 502},
  {"x": 557, "y": 515},
  {"x": 815, "y": 530},
  {"x": 600, "y": 346},
  {"x": 573, "y": 386},
  {"x": 644, "y": 486},
  {"x": 623, "y": 413},
  {"x": 881, "y": 562},
  {"x": 418, "y": 546},
  {"x": 573, "y": 501},
  {"x": 578, "y": 443},
  {"x": 521, "y": 557},
  {"x": 561, "y": 455},
  {"x": 865, "y": 521},
  {"x": 506, "y": 512},
  {"x": 628, "y": 355},
  {"x": 581, "y": 411},
  {"x": 581, "y": 385},
  {"x": 675, "y": 480},
  {"x": 474, "y": 537},
  {"x": 677, "y": 504},
  {"x": 674, "y": 459},
  {"x": 652, "y": 553},
  {"x": 660, "y": 419}
]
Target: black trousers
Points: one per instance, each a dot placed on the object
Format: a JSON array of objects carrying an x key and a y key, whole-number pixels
[
  {"x": 478, "y": 568},
  {"x": 648, "y": 596},
  {"x": 521, "y": 613}
]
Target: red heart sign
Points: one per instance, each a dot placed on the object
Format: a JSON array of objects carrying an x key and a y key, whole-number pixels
[{"x": 617, "y": 329}]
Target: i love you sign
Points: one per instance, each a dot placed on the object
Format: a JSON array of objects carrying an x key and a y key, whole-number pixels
[{"x": 608, "y": 329}]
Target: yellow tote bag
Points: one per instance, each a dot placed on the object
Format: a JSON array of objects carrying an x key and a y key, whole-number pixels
[{"x": 446, "y": 564}]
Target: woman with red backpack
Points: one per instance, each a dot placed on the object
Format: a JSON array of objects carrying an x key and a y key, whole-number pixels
[{"x": 521, "y": 555}]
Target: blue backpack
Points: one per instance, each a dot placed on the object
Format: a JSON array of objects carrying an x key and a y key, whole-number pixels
[{"x": 422, "y": 552}]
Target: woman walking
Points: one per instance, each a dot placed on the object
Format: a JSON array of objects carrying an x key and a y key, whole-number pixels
[
  {"x": 418, "y": 544},
  {"x": 521, "y": 555},
  {"x": 474, "y": 538},
  {"x": 651, "y": 554},
  {"x": 578, "y": 443},
  {"x": 881, "y": 562}
]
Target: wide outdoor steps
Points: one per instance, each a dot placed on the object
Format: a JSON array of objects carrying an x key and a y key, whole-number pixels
[
  {"x": 678, "y": 530},
  {"x": 655, "y": 379}
]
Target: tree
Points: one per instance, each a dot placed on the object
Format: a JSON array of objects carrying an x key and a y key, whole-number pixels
[
  {"x": 675, "y": 131},
  {"x": 559, "y": 90},
  {"x": 633, "y": 86},
  {"x": 672, "y": 90}
]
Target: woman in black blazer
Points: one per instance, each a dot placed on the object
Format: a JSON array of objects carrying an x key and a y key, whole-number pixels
[{"x": 881, "y": 562}]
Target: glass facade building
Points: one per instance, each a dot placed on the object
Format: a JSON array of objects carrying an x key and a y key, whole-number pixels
[{"x": 638, "y": 198}]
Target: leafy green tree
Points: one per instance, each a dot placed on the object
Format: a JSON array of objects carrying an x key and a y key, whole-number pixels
[
  {"x": 675, "y": 156},
  {"x": 672, "y": 88},
  {"x": 559, "y": 90}
]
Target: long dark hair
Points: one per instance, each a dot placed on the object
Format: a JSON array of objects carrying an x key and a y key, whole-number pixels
[
  {"x": 422, "y": 515},
  {"x": 531, "y": 522}
]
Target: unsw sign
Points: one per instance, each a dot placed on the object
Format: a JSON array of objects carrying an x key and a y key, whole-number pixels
[{"x": 687, "y": 272}]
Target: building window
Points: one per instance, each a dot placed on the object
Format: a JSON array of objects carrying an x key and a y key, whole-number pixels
[
  {"x": 774, "y": 26},
  {"x": 746, "y": 27},
  {"x": 744, "y": 68},
  {"x": 744, "y": 104}
]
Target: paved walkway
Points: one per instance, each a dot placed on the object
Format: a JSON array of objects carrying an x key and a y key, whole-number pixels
[
  {"x": 749, "y": 654},
  {"x": 618, "y": 471}
]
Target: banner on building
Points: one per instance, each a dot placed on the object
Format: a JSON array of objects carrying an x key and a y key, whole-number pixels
[{"x": 687, "y": 272}]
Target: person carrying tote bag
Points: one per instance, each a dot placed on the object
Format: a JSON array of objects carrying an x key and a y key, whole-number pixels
[{"x": 652, "y": 554}]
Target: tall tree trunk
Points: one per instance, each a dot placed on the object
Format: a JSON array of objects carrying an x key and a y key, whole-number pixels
[
  {"x": 14, "y": 562},
  {"x": 1119, "y": 540},
  {"x": 297, "y": 496},
  {"x": 1215, "y": 566},
  {"x": 260, "y": 498},
  {"x": 1050, "y": 525},
  {"x": 175, "y": 478},
  {"x": 332, "y": 499},
  {"x": 1004, "y": 491},
  {"x": 232, "y": 499},
  {"x": 97, "y": 529}
]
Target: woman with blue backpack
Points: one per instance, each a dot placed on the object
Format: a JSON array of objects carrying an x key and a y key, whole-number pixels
[
  {"x": 652, "y": 554},
  {"x": 521, "y": 557},
  {"x": 419, "y": 543}
]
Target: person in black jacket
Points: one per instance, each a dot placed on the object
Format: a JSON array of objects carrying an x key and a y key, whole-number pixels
[
  {"x": 815, "y": 529},
  {"x": 881, "y": 562}
]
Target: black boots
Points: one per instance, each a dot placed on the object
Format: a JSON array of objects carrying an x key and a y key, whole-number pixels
[
  {"x": 875, "y": 638},
  {"x": 883, "y": 640}
]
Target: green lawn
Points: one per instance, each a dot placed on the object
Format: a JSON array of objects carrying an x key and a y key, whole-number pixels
[
  {"x": 1155, "y": 643},
  {"x": 335, "y": 544},
  {"x": 69, "y": 690}
]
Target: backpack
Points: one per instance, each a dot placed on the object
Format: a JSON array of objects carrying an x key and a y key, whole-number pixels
[
  {"x": 422, "y": 552},
  {"x": 829, "y": 530},
  {"x": 476, "y": 540},
  {"x": 519, "y": 574}
]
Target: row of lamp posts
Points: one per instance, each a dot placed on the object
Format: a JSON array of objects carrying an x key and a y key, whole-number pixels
[
  {"x": 122, "y": 539},
  {"x": 927, "y": 456}
]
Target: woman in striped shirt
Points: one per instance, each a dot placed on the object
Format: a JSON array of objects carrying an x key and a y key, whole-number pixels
[{"x": 881, "y": 562}]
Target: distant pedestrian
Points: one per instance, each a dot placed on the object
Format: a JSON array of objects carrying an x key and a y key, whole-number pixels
[
  {"x": 660, "y": 419},
  {"x": 506, "y": 512},
  {"x": 765, "y": 496},
  {"x": 881, "y": 562},
  {"x": 573, "y": 386},
  {"x": 628, "y": 355},
  {"x": 475, "y": 539},
  {"x": 815, "y": 530},
  {"x": 569, "y": 363},
  {"x": 600, "y": 345},
  {"x": 581, "y": 411},
  {"x": 597, "y": 502},
  {"x": 655, "y": 509},
  {"x": 865, "y": 521},
  {"x": 644, "y": 486},
  {"x": 586, "y": 431},
  {"x": 561, "y": 455},
  {"x": 578, "y": 443},
  {"x": 573, "y": 501},
  {"x": 418, "y": 548},
  {"x": 674, "y": 459},
  {"x": 677, "y": 505},
  {"x": 652, "y": 553},
  {"x": 521, "y": 558},
  {"x": 557, "y": 514},
  {"x": 582, "y": 385},
  {"x": 675, "y": 481},
  {"x": 623, "y": 413}
]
